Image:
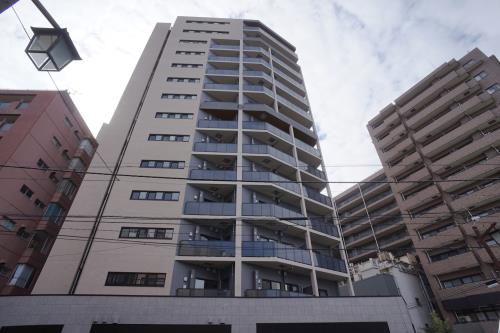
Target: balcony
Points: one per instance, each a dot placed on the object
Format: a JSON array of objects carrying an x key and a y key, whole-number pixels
[
  {"x": 312, "y": 170},
  {"x": 193, "y": 292},
  {"x": 289, "y": 79},
  {"x": 289, "y": 105},
  {"x": 307, "y": 148},
  {"x": 229, "y": 72},
  {"x": 210, "y": 208},
  {"x": 205, "y": 248},
  {"x": 328, "y": 262},
  {"x": 260, "y": 125},
  {"x": 257, "y": 61},
  {"x": 317, "y": 196},
  {"x": 269, "y": 150},
  {"x": 225, "y": 47},
  {"x": 223, "y": 59},
  {"x": 215, "y": 147},
  {"x": 273, "y": 210},
  {"x": 324, "y": 225},
  {"x": 255, "y": 49},
  {"x": 216, "y": 105},
  {"x": 269, "y": 177},
  {"x": 218, "y": 86},
  {"x": 258, "y": 74},
  {"x": 273, "y": 293},
  {"x": 291, "y": 71},
  {"x": 277, "y": 250},
  {"x": 258, "y": 88},
  {"x": 299, "y": 98},
  {"x": 200, "y": 174},
  {"x": 229, "y": 124}
]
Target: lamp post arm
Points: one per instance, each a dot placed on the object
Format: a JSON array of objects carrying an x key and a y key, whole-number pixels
[{"x": 45, "y": 13}]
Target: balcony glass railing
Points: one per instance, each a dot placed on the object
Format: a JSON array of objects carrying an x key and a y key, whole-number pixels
[
  {"x": 217, "y": 86},
  {"x": 193, "y": 292},
  {"x": 258, "y": 74},
  {"x": 291, "y": 92},
  {"x": 215, "y": 147},
  {"x": 278, "y": 250},
  {"x": 260, "y": 125},
  {"x": 254, "y": 87},
  {"x": 212, "y": 174},
  {"x": 205, "y": 248},
  {"x": 273, "y": 210},
  {"x": 317, "y": 196},
  {"x": 312, "y": 170},
  {"x": 287, "y": 67},
  {"x": 265, "y": 176},
  {"x": 273, "y": 293},
  {"x": 225, "y": 47},
  {"x": 324, "y": 225},
  {"x": 289, "y": 79},
  {"x": 354, "y": 224},
  {"x": 205, "y": 123},
  {"x": 308, "y": 148},
  {"x": 223, "y": 71},
  {"x": 256, "y": 49},
  {"x": 329, "y": 262},
  {"x": 219, "y": 58},
  {"x": 210, "y": 208},
  {"x": 265, "y": 149},
  {"x": 257, "y": 61},
  {"x": 360, "y": 235},
  {"x": 86, "y": 146},
  {"x": 294, "y": 107},
  {"x": 217, "y": 105},
  {"x": 387, "y": 224}
]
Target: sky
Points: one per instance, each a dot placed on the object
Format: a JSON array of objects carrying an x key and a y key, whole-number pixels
[{"x": 356, "y": 56}]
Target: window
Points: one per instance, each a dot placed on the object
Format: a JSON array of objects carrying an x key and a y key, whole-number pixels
[
  {"x": 77, "y": 135},
  {"x": 65, "y": 155},
  {"x": 188, "y": 41},
  {"x": 135, "y": 279},
  {"x": 460, "y": 281},
  {"x": 22, "y": 233},
  {"x": 493, "y": 89},
  {"x": 205, "y": 284},
  {"x": 177, "y": 65},
  {"x": 4, "y": 104},
  {"x": 7, "y": 121},
  {"x": 183, "y": 79},
  {"x": 56, "y": 142},
  {"x": 26, "y": 191},
  {"x": 480, "y": 76},
  {"x": 4, "y": 270},
  {"x": 173, "y": 115},
  {"x": 448, "y": 253},
  {"x": 42, "y": 165},
  {"x": 68, "y": 122},
  {"x": 323, "y": 292},
  {"x": 54, "y": 213},
  {"x": 178, "y": 96},
  {"x": 22, "y": 105},
  {"x": 76, "y": 164},
  {"x": 291, "y": 287},
  {"x": 22, "y": 276},
  {"x": 39, "y": 204},
  {"x": 190, "y": 52},
  {"x": 269, "y": 284},
  {"x": 53, "y": 177},
  {"x": 162, "y": 164},
  {"x": 153, "y": 233},
  {"x": 206, "y": 31},
  {"x": 67, "y": 187},
  {"x": 207, "y": 22},
  {"x": 7, "y": 223},
  {"x": 155, "y": 195},
  {"x": 168, "y": 137}
]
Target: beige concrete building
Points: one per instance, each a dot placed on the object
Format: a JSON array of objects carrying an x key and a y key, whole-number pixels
[
  {"x": 232, "y": 198},
  {"x": 439, "y": 143},
  {"x": 371, "y": 221}
]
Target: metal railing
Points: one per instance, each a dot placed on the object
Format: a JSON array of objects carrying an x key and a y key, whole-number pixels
[
  {"x": 255, "y": 48},
  {"x": 287, "y": 67},
  {"x": 289, "y": 79},
  {"x": 324, "y": 225},
  {"x": 205, "y": 123},
  {"x": 273, "y": 293},
  {"x": 219, "y": 58},
  {"x": 257, "y": 61},
  {"x": 218, "y": 86},
  {"x": 312, "y": 170},
  {"x": 193, "y": 292},
  {"x": 308, "y": 148},
  {"x": 265, "y": 176},
  {"x": 260, "y": 125},
  {"x": 215, "y": 147},
  {"x": 329, "y": 262},
  {"x": 273, "y": 249},
  {"x": 201, "y": 174},
  {"x": 258, "y": 74},
  {"x": 273, "y": 210},
  {"x": 317, "y": 196},
  {"x": 206, "y": 248},
  {"x": 225, "y": 46},
  {"x": 293, "y": 107},
  {"x": 223, "y": 71},
  {"x": 265, "y": 149},
  {"x": 291, "y": 92},
  {"x": 254, "y": 87},
  {"x": 210, "y": 208}
]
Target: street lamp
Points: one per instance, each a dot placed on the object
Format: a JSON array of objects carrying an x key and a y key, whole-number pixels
[{"x": 50, "y": 49}]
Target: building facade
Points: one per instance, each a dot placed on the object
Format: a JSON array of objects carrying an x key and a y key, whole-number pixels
[
  {"x": 439, "y": 145},
  {"x": 371, "y": 221},
  {"x": 218, "y": 187},
  {"x": 44, "y": 144}
]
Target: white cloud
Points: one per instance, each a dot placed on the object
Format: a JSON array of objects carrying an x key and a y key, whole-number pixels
[{"x": 356, "y": 56}]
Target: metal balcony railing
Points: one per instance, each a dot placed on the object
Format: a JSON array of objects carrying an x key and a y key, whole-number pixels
[
  {"x": 328, "y": 262},
  {"x": 289, "y": 79},
  {"x": 219, "y": 58},
  {"x": 287, "y": 67},
  {"x": 294, "y": 107},
  {"x": 324, "y": 225},
  {"x": 223, "y": 71},
  {"x": 193, "y": 292},
  {"x": 273, "y": 210},
  {"x": 204, "y": 248},
  {"x": 215, "y": 147},
  {"x": 200, "y": 174},
  {"x": 255, "y": 48},
  {"x": 278, "y": 250},
  {"x": 312, "y": 170},
  {"x": 265, "y": 149},
  {"x": 260, "y": 125},
  {"x": 205, "y": 123},
  {"x": 273, "y": 293},
  {"x": 218, "y": 86},
  {"x": 210, "y": 208},
  {"x": 258, "y": 74},
  {"x": 290, "y": 92},
  {"x": 265, "y": 176},
  {"x": 355, "y": 223},
  {"x": 225, "y": 47},
  {"x": 308, "y": 148},
  {"x": 257, "y": 61},
  {"x": 317, "y": 196},
  {"x": 254, "y": 87}
]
